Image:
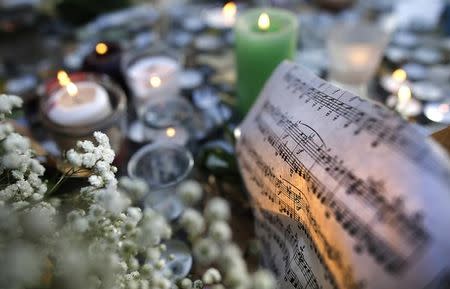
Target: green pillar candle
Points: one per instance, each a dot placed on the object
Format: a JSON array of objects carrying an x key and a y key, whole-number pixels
[{"x": 260, "y": 48}]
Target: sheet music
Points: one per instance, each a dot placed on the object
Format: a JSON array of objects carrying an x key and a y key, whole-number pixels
[{"x": 346, "y": 194}]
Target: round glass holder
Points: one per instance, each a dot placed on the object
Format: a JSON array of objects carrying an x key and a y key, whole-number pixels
[
  {"x": 163, "y": 166},
  {"x": 168, "y": 120},
  {"x": 355, "y": 51},
  {"x": 151, "y": 74},
  {"x": 178, "y": 259}
]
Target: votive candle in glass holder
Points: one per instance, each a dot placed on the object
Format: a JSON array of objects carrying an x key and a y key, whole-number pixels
[
  {"x": 264, "y": 37},
  {"x": 73, "y": 106},
  {"x": 163, "y": 166},
  {"x": 168, "y": 121},
  {"x": 355, "y": 50},
  {"x": 151, "y": 74},
  {"x": 220, "y": 18}
]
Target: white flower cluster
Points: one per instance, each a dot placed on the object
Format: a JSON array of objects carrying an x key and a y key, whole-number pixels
[
  {"x": 7, "y": 104},
  {"x": 20, "y": 172},
  {"x": 107, "y": 244},
  {"x": 211, "y": 235},
  {"x": 103, "y": 183}
]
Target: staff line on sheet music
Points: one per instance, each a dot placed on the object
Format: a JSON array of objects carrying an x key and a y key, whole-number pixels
[
  {"x": 376, "y": 246},
  {"x": 369, "y": 192},
  {"x": 394, "y": 136}
]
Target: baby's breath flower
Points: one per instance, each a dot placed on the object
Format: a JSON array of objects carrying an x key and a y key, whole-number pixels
[
  {"x": 263, "y": 279},
  {"x": 193, "y": 222},
  {"x": 74, "y": 158},
  {"x": 16, "y": 143},
  {"x": 237, "y": 278},
  {"x": 135, "y": 188},
  {"x": 186, "y": 283},
  {"x": 217, "y": 209},
  {"x": 205, "y": 251},
  {"x": 190, "y": 192},
  {"x": 220, "y": 231},
  {"x": 8, "y": 103},
  {"x": 198, "y": 284},
  {"x": 96, "y": 181},
  {"x": 211, "y": 276}
]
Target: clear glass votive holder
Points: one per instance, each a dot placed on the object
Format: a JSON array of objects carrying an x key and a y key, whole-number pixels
[
  {"x": 163, "y": 166},
  {"x": 355, "y": 51},
  {"x": 168, "y": 120},
  {"x": 151, "y": 74},
  {"x": 112, "y": 124}
]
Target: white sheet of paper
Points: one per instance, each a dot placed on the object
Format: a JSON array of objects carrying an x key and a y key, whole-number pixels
[{"x": 346, "y": 194}]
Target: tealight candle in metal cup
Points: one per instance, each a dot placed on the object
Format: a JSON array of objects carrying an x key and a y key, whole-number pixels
[{"x": 163, "y": 166}]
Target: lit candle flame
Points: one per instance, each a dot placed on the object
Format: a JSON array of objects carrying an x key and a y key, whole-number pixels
[
  {"x": 170, "y": 132},
  {"x": 64, "y": 81},
  {"x": 63, "y": 78},
  {"x": 263, "y": 21},
  {"x": 229, "y": 10},
  {"x": 72, "y": 89},
  {"x": 101, "y": 48},
  {"x": 155, "y": 81},
  {"x": 399, "y": 75},
  {"x": 404, "y": 97}
]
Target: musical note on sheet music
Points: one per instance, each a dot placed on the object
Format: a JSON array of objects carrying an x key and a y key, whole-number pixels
[{"x": 346, "y": 194}]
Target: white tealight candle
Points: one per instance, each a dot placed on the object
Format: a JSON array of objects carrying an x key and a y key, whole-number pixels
[
  {"x": 221, "y": 17},
  {"x": 79, "y": 103},
  {"x": 174, "y": 135},
  {"x": 153, "y": 77}
]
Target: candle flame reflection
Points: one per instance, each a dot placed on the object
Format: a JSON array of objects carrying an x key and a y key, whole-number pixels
[
  {"x": 263, "y": 21},
  {"x": 170, "y": 132},
  {"x": 229, "y": 10},
  {"x": 155, "y": 81},
  {"x": 101, "y": 48}
]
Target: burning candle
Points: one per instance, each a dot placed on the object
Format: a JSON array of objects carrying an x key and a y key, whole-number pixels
[
  {"x": 174, "y": 135},
  {"x": 392, "y": 83},
  {"x": 406, "y": 105},
  {"x": 221, "y": 18},
  {"x": 78, "y": 103},
  {"x": 264, "y": 38},
  {"x": 152, "y": 77}
]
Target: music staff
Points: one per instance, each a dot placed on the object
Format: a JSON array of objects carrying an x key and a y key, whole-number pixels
[{"x": 398, "y": 136}]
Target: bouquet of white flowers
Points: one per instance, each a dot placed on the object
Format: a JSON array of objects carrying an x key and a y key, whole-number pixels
[{"x": 106, "y": 243}]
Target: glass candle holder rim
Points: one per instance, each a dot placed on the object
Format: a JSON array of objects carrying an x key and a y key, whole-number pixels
[
  {"x": 342, "y": 31},
  {"x": 114, "y": 91},
  {"x": 132, "y": 163},
  {"x": 130, "y": 58},
  {"x": 188, "y": 109},
  {"x": 249, "y": 18}
]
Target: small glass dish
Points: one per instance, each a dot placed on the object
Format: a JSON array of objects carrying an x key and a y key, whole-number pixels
[
  {"x": 178, "y": 259},
  {"x": 163, "y": 166}
]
